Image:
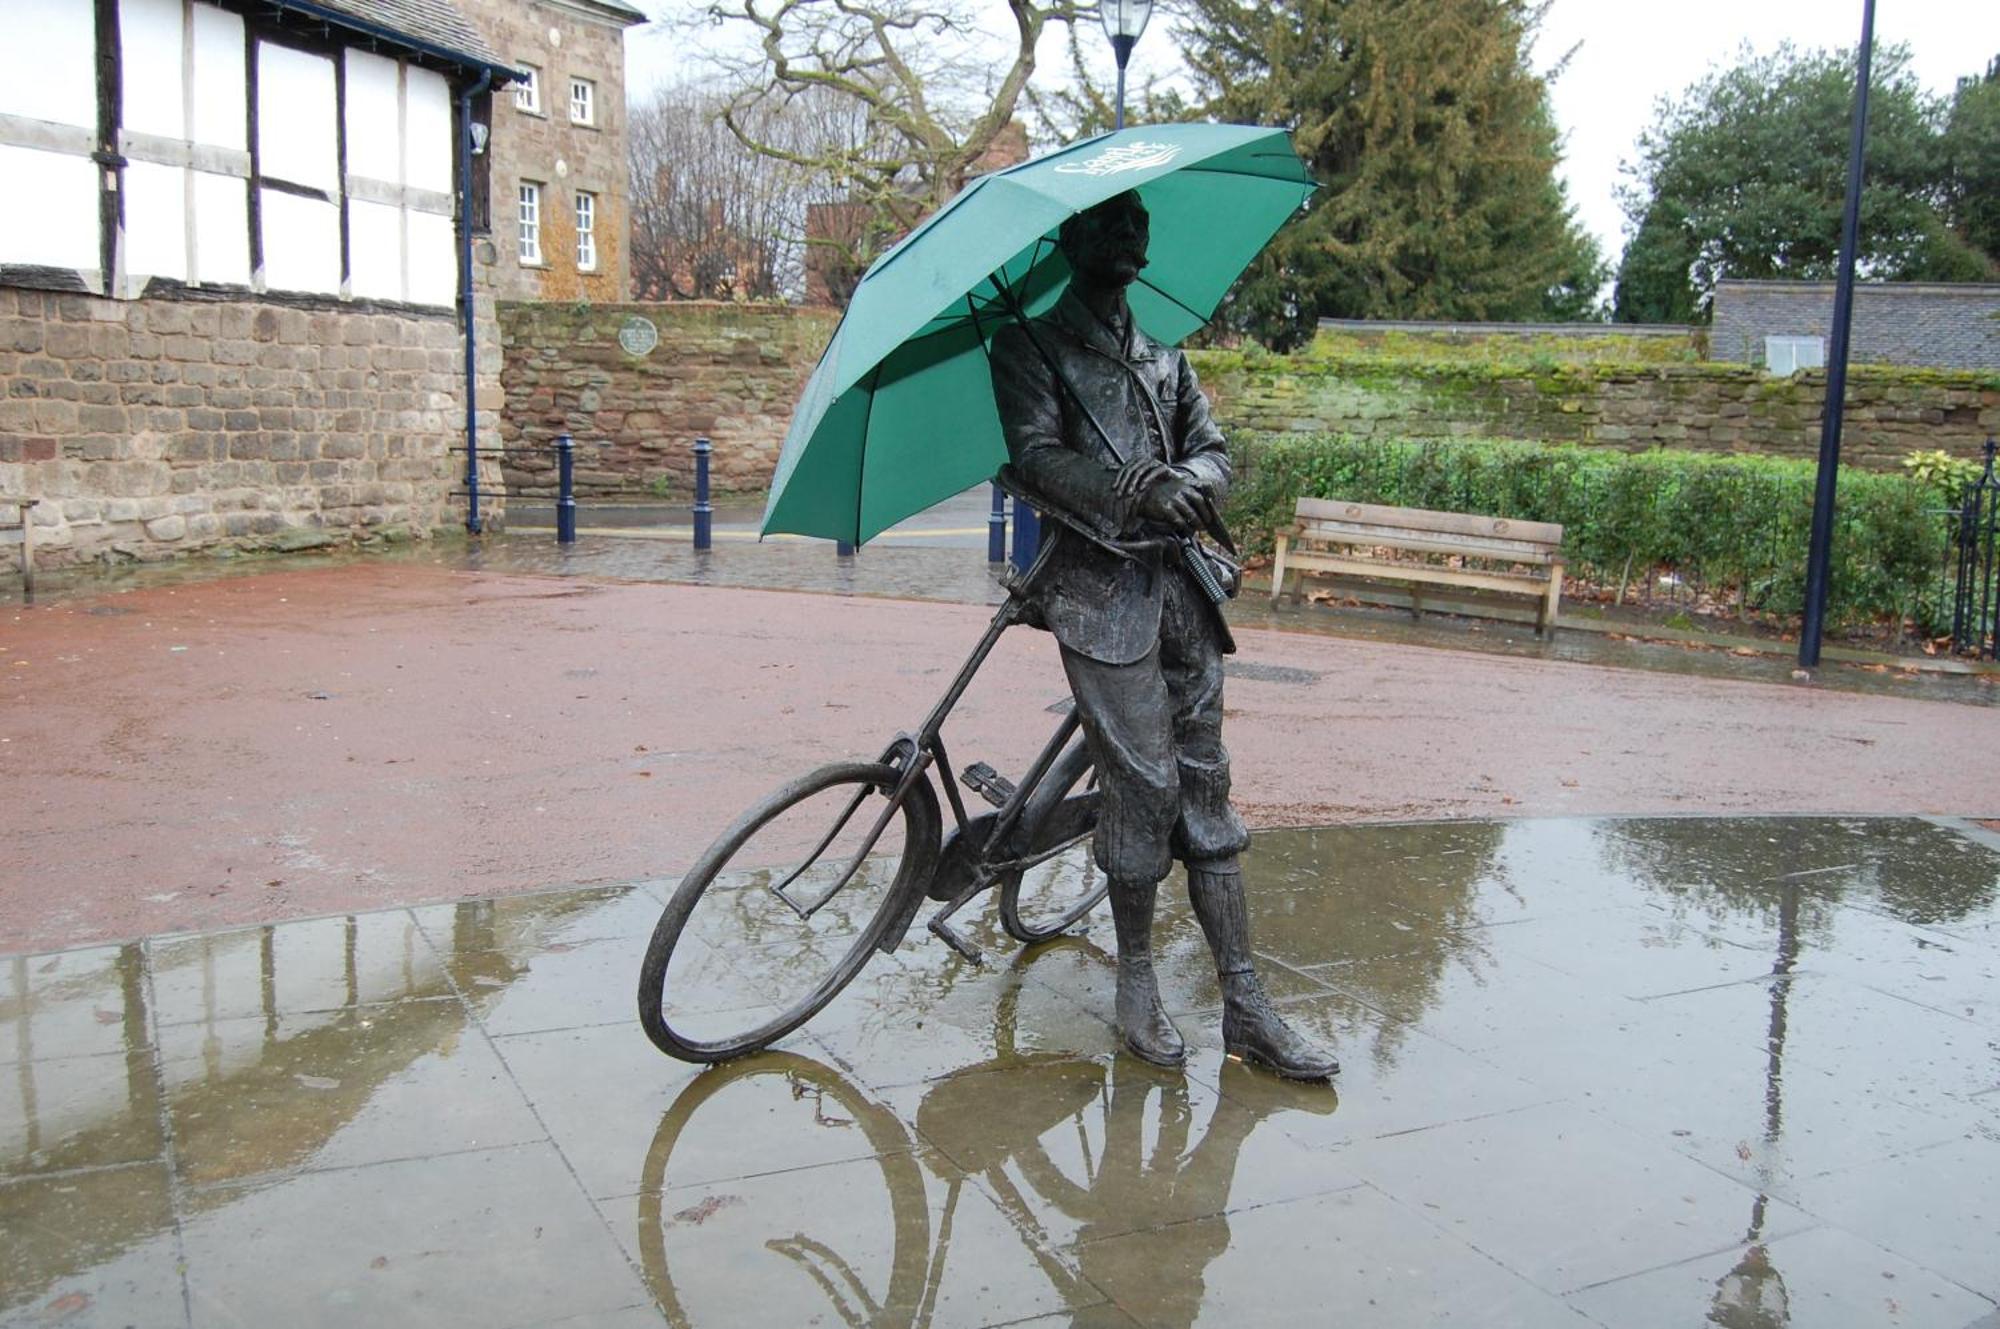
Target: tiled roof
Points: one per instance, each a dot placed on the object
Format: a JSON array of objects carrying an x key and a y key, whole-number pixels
[{"x": 433, "y": 25}]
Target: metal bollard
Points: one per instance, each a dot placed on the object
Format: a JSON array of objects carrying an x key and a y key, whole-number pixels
[
  {"x": 996, "y": 528},
  {"x": 1027, "y": 536},
  {"x": 565, "y": 490},
  {"x": 704, "y": 515}
]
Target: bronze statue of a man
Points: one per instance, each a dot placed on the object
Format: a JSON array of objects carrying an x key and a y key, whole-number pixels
[{"x": 1141, "y": 644}]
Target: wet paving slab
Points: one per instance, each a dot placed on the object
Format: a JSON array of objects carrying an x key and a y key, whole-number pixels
[{"x": 1620, "y": 1072}]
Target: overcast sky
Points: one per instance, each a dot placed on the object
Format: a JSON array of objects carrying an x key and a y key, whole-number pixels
[{"x": 1628, "y": 55}]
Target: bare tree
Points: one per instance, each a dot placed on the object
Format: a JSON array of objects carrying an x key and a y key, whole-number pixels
[
  {"x": 711, "y": 218},
  {"x": 923, "y": 94}
]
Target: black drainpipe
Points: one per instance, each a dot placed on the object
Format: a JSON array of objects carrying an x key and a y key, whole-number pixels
[{"x": 465, "y": 294}]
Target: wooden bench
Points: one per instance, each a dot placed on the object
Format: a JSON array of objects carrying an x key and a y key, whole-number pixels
[
  {"x": 1363, "y": 541},
  {"x": 17, "y": 525}
]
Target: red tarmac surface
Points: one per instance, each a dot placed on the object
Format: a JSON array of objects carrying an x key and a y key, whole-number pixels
[{"x": 309, "y": 742}]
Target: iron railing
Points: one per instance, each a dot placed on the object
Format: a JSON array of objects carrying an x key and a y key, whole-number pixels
[{"x": 1971, "y": 567}]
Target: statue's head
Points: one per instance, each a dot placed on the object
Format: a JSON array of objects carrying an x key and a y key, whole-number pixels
[{"x": 1106, "y": 245}]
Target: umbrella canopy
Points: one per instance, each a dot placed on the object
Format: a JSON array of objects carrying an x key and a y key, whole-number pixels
[{"x": 899, "y": 413}]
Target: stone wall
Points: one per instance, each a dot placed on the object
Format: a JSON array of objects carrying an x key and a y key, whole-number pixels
[
  {"x": 1899, "y": 323},
  {"x": 1710, "y": 407},
  {"x": 731, "y": 372},
  {"x": 734, "y": 372},
  {"x": 155, "y": 427}
]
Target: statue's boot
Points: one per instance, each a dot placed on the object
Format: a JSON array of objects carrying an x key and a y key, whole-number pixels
[
  {"x": 1142, "y": 1020},
  {"x": 1251, "y": 1027}
]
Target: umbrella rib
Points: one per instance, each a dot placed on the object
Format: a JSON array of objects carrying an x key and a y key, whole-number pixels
[
  {"x": 861, "y": 483},
  {"x": 1164, "y": 296}
]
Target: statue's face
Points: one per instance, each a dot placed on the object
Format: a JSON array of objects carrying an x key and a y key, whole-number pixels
[{"x": 1107, "y": 245}]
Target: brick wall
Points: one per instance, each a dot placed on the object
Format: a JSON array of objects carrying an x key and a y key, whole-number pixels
[
  {"x": 734, "y": 372},
  {"x": 731, "y": 372},
  {"x": 1710, "y": 407},
  {"x": 154, "y": 427},
  {"x": 1897, "y": 323}
]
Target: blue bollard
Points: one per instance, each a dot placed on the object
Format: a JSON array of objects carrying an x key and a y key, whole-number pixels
[
  {"x": 1027, "y": 536},
  {"x": 996, "y": 528},
  {"x": 704, "y": 515},
  {"x": 565, "y": 490}
]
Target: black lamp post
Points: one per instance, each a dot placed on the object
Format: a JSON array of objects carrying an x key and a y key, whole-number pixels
[
  {"x": 1819, "y": 550},
  {"x": 1124, "y": 20}
]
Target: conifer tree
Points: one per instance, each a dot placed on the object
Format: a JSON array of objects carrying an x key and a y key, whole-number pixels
[{"x": 1432, "y": 137}]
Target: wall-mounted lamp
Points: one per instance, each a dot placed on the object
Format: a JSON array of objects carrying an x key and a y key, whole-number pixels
[{"x": 479, "y": 135}]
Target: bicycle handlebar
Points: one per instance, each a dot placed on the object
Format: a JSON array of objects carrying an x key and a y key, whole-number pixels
[{"x": 1012, "y": 483}]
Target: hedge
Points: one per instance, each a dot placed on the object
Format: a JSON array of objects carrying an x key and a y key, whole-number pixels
[{"x": 1735, "y": 525}]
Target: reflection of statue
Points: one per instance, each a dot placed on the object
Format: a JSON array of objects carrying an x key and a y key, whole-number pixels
[
  {"x": 1141, "y": 644},
  {"x": 1126, "y": 1186},
  {"x": 992, "y": 1126}
]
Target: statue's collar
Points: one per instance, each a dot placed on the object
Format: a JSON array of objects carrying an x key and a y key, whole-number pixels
[{"x": 1089, "y": 329}]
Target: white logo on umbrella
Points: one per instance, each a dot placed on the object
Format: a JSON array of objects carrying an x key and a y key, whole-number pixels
[{"x": 1136, "y": 156}]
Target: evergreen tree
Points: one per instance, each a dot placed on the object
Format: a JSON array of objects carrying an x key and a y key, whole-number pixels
[
  {"x": 1972, "y": 161},
  {"x": 1433, "y": 139},
  {"x": 1746, "y": 176}
]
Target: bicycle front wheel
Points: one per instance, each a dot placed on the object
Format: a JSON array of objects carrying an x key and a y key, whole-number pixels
[
  {"x": 784, "y": 908},
  {"x": 1048, "y": 898}
]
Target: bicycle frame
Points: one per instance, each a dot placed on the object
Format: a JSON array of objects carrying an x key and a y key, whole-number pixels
[{"x": 915, "y": 754}]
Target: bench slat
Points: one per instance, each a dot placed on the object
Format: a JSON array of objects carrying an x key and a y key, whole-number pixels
[
  {"x": 1384, "y": 570},
  {"x": 1472, "y": 546},
  {"x": 1424, "y": 519}
]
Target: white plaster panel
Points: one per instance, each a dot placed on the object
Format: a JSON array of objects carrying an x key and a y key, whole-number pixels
[
  {"x": 150, "y": 51},
  {"x": 433, "y": 259},
  {"x": 373, "y": 128},
  {"x": 221, "y": 229},
  {"x": 295, "y": 117},
  {"x": 52, "y": 76},
  {"x": 156, "y": 220},
  {"x": 430, "y": 131},
  {"x": 52, "y": 217},
  {"x": 374, "y": 250},
  {"x": 301, "y": 243},
  {"x": 220, "y": 116}
]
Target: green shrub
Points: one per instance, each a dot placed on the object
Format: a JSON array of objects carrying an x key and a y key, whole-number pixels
[{"x": 1735, "y": 525}]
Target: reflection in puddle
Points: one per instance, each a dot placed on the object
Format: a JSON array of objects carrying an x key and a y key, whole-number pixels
[{"x": 1789, "y": 1003}]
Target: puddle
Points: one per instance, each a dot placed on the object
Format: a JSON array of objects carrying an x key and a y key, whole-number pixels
[{"x": 1635, "y": 1071}]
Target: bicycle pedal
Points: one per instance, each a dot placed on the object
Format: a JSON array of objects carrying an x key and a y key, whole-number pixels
[{"x": 988, "y": 783}]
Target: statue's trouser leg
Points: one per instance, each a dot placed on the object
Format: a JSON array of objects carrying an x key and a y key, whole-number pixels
[
  {"x": 1251, "y": 1026},
  {"x": 1126, "y": 720},
  {"x": 1208, "y": 836}
]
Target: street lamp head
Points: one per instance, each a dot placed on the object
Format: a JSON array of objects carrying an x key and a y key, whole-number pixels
[{"x": 1124, "y": 20}]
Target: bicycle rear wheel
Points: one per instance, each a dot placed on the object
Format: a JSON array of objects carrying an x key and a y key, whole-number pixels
[
  {"x": 783, "y": 910},
  {"x": 1046, "y": 899}
]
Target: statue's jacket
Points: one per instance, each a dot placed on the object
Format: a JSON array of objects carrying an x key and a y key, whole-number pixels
[{"x": 1097, "y": 604}]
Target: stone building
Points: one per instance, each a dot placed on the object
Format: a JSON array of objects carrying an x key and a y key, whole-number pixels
[
  {"x": 556, "y": 157},
  {"x": 231, "y": 299},
  {"x": 1783, "y": 325}
]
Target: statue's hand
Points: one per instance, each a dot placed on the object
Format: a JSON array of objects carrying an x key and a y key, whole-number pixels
[
  {"x": 1174, "y": 503},
  {"x": 1138, "y": 476}
]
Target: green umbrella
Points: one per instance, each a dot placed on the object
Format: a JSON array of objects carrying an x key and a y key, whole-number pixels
[{"x": 899, "y": 413}]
